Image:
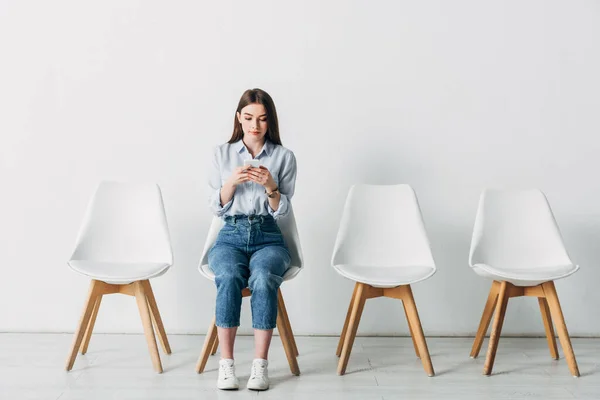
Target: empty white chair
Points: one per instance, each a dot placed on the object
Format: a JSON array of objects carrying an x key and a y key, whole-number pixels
[
  {"x": 382, "y": 246},
  {"x": 288, "y": 228},
  {"x": 516, "y": 243},
  {"x": 123, "y": 242}
]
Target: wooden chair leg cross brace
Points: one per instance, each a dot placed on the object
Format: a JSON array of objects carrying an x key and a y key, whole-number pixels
[
  {"x": 361, "y": 293},
  {"x": 550, "y": 308},
  {"x": 142, "y": 291}
]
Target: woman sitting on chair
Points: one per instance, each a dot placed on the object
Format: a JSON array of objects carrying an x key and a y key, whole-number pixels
[{"x": 252, "y": 181}]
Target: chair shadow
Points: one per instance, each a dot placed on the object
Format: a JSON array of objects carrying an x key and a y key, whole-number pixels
[{"x": 589, "y": 373}]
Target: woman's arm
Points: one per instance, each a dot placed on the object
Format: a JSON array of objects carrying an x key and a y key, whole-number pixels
[
  {"x": 215, "y": 202},
  {"x": 278, "y": 206},
  {"x": 226, "y": 193},
  {"x": 221, "y": 196}
]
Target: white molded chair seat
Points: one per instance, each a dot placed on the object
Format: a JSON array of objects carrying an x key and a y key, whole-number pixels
[
  {"x": 525, "y": 276},
  {"x": 385, "y": 277},
  {"x": 516, "y": 239},
  {"x": 124, "y": 236},
  {"x": 383, "y": 247},
  {"x": 119, "y": 273}
]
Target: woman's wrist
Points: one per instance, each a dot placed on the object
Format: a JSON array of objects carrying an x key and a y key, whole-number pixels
[
  {"x": 227, "y": 191},
  {"x": 271, "y": 189},
  {"x": 272, "y": 194}
]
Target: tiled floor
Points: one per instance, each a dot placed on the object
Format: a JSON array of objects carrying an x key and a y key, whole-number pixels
[{"x": 119, "y": 367}]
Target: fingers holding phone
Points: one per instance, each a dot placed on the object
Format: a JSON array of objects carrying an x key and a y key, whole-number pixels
[
  {"x": 262, "y": 176},
  {"x": 238, "y": 176}
]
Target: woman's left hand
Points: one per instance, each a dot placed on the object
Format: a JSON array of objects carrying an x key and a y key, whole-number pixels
[{"x": 263, "y": 177}]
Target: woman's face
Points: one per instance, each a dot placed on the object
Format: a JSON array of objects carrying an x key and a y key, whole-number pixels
[{"x": 253, "y": 119}]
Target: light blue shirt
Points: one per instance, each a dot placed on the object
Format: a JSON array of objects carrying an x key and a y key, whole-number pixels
[{"x": 250, "y": 197}]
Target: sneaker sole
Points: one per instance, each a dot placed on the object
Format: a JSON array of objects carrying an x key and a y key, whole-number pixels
[
  {"x": 258, "y": 389},
  {"x": 228, "y": 387}
]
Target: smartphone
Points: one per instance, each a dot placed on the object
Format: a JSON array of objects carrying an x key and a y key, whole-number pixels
[{"x": 252, "y": 163}]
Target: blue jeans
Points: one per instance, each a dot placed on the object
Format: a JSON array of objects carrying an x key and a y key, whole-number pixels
[{"x": 249, "y": 252}]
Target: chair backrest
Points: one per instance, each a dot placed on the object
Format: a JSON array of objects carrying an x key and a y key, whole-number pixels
[
  {"x": 382, "y": 226},
  {"x": 515, "y": 229},
  {"x": 125, "y": 223},
  {"x": 288, "y": 228}
]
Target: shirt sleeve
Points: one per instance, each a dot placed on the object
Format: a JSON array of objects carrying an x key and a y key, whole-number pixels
[
  {"x": 287, "y": 185},
  {"x": 214, "y": 183}
]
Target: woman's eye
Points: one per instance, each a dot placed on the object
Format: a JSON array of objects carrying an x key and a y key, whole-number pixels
[{"x": 248, "y": 119}]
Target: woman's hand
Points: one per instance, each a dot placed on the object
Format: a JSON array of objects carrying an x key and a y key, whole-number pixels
[
  {"x": 263, "y": 177},
  {"x": 239, "y": 175}
]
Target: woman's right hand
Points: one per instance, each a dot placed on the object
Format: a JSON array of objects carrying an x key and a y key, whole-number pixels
[{"x": 239, "y": 175}]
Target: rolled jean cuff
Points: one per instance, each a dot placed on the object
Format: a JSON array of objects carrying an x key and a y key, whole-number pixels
[
  {"x": 227, "y": 325},
  {"x": 263, "y": 327}
]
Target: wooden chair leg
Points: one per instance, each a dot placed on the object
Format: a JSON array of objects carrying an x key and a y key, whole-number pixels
[
  {"x": 561, "y": 327},
  {"x": 357, "y": 308},
  {"x": 486, "y": 317},
  {"x": 141, "y": 298},
  {"x": 88, "y": 309},
  {"x": 501, "y": 304},
  {"x": 286, "y": 337},
  {"x": 286, "y": 319},
  {"x": 215, "y": 346},
  {"x": 338, "y": 352},
  {"x": 156, "y": 319},
  {"x": 209, "y": 343},
  {"x": 88, "y": 333},
  {"x": 547, "y": 319},
  {"x": 411, "y": 330},
  {"x": 415, "y": 322}
]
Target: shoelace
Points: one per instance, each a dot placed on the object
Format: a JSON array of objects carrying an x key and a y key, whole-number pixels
[
  {"x": 258, "y": 371},
  {"x": 228, "y": 371}
]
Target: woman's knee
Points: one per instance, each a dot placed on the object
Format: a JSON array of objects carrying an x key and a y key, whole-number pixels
[
  {"x": 272, "y": 259},
  {"x": 263, "y": 280},
  {"x": 231, "y": 278}
]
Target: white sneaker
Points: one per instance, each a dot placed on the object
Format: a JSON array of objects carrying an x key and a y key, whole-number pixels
[
  {"x": 259, "y": 376},
  {"x": 227, "y": 379}
]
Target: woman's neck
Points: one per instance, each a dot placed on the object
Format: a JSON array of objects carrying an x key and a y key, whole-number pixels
[{"x": 254, "y": 147}]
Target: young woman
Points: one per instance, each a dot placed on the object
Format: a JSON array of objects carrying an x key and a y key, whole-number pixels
[{"x": 250, "y": 250}]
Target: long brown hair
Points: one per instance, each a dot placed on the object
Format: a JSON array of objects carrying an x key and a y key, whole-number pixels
[{"x": 257, "y": 96}]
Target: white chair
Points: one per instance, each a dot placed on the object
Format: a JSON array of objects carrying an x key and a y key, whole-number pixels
[
  {"x": 516, "y": 243},
  {"x": 123, "y": 242},
  {"x": 382, "y": 246},
  {"x": 288, "y": 228}
]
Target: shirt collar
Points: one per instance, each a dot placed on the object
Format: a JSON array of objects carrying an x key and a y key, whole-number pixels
[{"x": 267, "y": 148}]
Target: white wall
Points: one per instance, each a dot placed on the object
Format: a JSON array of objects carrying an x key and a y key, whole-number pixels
[{"x": 446, "y": 96}]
